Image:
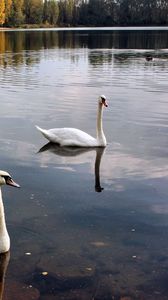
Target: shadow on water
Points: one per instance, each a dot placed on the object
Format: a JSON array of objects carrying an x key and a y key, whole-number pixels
[{"x": 75, "y": 151}]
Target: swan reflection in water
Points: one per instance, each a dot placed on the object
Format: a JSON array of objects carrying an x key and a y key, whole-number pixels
[
  {"x": 75, "y": 151},
  {"x": 4, "y": 260}
]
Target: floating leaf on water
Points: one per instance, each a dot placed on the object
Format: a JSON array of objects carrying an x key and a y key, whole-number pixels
[
  {"x": 44, "y": 273},
  {"x": 98, "y": 244}
]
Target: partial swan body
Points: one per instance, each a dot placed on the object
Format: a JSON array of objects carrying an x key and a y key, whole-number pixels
[
  {"x": 4, "y": 260},
  {"x": 75, "y": 137},
  {"x": 5, "y": 178}
]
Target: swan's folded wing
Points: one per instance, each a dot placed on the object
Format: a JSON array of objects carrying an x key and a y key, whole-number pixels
[{"x": 71, "y": 137}]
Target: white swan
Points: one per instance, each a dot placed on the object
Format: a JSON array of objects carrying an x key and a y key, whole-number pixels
[
  {"x": 5, "y": 178},
  {"x": 78, "y": 138},
  {"x": 4, "y": 260}
]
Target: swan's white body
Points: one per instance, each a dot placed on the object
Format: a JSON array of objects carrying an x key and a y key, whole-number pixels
[
  {"x": 5, "y": 178},
  {"x": 70, "y": 137},
  {"x": 75, "y": 137}
]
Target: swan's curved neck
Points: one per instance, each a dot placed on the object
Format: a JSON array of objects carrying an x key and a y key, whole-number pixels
[
  {"x": 2, "y": 215},
  {"x": 100, "y": 134}
]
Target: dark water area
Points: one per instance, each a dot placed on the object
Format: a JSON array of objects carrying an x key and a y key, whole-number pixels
[
  {"x": 86, "y": 223},
  {"x": 119, "y": 39}
]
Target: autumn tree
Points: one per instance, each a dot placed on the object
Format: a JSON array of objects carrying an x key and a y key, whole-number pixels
[
  {"x": 8, "y": 9},
  {"x": 2, "y": 12},
  {"x": 84, "y": 12}
]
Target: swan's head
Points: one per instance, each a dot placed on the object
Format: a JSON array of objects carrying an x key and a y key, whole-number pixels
[
  {"x": 5, "y": 178},
  {"x": 103, "y": 101}
]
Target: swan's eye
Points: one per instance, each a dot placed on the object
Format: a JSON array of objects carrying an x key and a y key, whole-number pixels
[
  {"x": 10, "y": 181},
  {"x": 103, "y": 99},
  {"x": 6, "y": 177}
]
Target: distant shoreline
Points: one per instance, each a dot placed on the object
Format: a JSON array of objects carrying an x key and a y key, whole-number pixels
[
  {"x": 6, "y": 28},
  {"x": 113, "y": 28}
]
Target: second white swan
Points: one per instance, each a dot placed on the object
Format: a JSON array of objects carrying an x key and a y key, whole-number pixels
[
  {"x": 78, "y": 138},
  {"x": 5, "y": 178}
]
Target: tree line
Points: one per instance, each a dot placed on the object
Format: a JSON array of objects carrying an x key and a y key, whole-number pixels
[{"x": 83, "y": 12}]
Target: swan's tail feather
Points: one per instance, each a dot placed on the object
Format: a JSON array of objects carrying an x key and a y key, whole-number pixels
[{"x": 43, "y": 131}]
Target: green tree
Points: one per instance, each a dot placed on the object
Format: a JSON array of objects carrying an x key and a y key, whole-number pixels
[
  {"x": 61, "y": 4},
  {"x": 124, "y": 13},
  {"x": 69, "y": 11},
  {"x": 50, "y": 12},
  {"x": 110, "y": 13},
  {"x": 83, "y": 13},
  {"x": 53, "y": 9},
  {"x": 33, "y": 11},
  {"x": 162, "y": 12},
  {"x": 96, "y": 12},
  {"x": 45, "y": 12},
  {"x": 16, "y": 17}
]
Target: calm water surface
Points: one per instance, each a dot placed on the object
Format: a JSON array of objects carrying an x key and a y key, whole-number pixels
[{"x": 86, "y": 224}]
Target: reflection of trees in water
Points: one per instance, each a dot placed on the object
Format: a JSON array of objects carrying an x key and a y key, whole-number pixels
[
  {"x": 125, "y": 40},
  {"x": 99, "y": 58},
  {"x": 13, "y": 45},
  {"x": 128, "y": 39},
  {"x": 16, "y": 45},
  {"x": 2, "y": 42}
]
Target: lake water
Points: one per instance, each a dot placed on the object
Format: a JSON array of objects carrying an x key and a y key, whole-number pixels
[{"x": 86, "y": 224}]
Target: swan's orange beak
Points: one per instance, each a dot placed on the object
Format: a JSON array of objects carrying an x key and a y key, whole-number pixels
[{"x": 11, "y": 182}]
